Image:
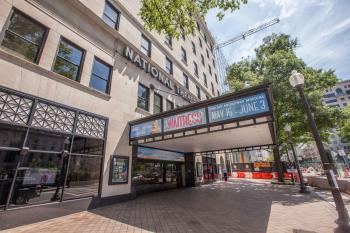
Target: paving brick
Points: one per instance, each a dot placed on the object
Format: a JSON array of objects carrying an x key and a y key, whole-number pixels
[{"x": 242, "y": 206}]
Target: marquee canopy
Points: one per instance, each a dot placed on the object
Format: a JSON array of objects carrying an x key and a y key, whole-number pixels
[{"x": 242, "y": 120}]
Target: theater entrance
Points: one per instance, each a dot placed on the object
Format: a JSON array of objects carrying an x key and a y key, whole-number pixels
[{"x": 201, "y": 134}]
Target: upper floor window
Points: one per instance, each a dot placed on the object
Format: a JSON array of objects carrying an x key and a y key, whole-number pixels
[
  {"x": 211, "y": 47},
  {"x": 195, "y": 67},
  {"x": 183, "y": 35},
  {"x": 183, "y": 54},
  {"x": 69, "y": 60},
  {"x": 212, "y": 89},
  {"x": 111, "y": 15},
  {"x": 100, "y": 76},
  {"x": 210, "y": 70},
  {"x": 24, "y": 36},
  {"x": 207, "y": 97},
  {"x": 207, "y": 53},
  {"x": 218, "y": 92},
  {"x": 198, "y": 27},
  {"x": 216, "y": 78},
  {"x": 202, "y": 59},
  {"x": 200, "y": 42},
  {"x": 168, "y": 65},
  {"x": 213, "y": 63},
  {"x": 205, "y": 80},
  {"x": 198, "y": 92},
  {"x": 193, "y": 47},
  {"x": 143, "y": 97},
  {"x": 169, "y": 105},
  {"x": 168, "y": 40},
  {"x": 146, "y": 46},
  {"x": 185, "y": 81},
  {"x": 157, "y": 103}
]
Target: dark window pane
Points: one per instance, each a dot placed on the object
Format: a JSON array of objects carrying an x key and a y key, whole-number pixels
[
  {"x": 108, "y": 21},
  {"x": 66, "y": 69},
  {"x": 157, "y": 107},
  {"x": 12, "y": 136},
  {"x": 101, "y": 70},
  {"x": 39, "y": 179},
  {"x": 110, "y": 15},
  {"x": 90, "y": 146},
  {"x": 142, "y": 101},
  {"x": 8, "y": 162},
  {"x": 47, "y": 141},
  {"x": 98, "y": 83},
  {"x": 19, "y": 45},
  {"x": 169, "y": 105},
  {"x": 70, "y": 52},
  {"x": 83, "y": 177},
  {"x": 27, "y": 28}
]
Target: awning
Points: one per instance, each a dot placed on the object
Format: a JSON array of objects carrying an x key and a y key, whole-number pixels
[{"x": 235, "y": 121}]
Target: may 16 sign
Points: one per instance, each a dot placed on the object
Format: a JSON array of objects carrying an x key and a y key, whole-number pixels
[{"x": 238, "y": 108}]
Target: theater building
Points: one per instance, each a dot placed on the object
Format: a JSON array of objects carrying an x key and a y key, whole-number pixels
[{"x": 95, "y": 109}]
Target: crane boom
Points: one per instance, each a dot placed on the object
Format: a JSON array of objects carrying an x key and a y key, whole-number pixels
[{"x": 247, "y": 33}]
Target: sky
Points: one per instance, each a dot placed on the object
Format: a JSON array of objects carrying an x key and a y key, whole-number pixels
[{"x": 321, "y": 26}]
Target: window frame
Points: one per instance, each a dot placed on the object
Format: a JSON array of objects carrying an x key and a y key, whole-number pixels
[
  {"x": 202, "y": 60},
  {"x": 205, "y": 80},
  {"x": 116, "y": 26},
  {"x": 148, "y": 97},
  {"x": 198, "y": 92},
  {"x": 150, "y": 46},
  {"x": 161, "y": 102},
  {"x": 183, "y": 55},
  {"x": 168, "y": 40},
  {"x": 195, "y": 68},
  {"x": 171, "y": 103},
  {"x": 125, "y": 158},
  {"x": 82, "y": 60},
  {"x": 200, "y": 42},
  {"x": 5, "y": 29},
  {"x": 194, "y": 50},
  {"x": 167, "y": 60},
  {"x": 186, "y": 84},
  {"x": 109, "y": 81}
]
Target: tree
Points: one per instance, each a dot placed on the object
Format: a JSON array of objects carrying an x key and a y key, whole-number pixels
[
  {"x": 274, "y": 61},
  {"x": 174, "y": 17},
  {"x": 344, "y": 126}
]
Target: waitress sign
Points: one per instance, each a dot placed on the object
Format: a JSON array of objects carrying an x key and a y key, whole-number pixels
[
  {"x": 185, "y": 120},
  {"x": 246, "y": 106}
]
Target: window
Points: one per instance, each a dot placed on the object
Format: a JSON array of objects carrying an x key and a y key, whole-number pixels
[
  {"x": 200, "y": 42},
  {"x": 100, "y": 76},
  {"x": 207, "y": 53},
  {"x": 218, "y": 92},
  {"x": 213, "y": 63},
  {"x": 205, "y": 80},
  {"x": 331, "y": 101},
  {"x": 157, "y": 103},
  {"x": 198, "y": 27},
  {"x": 193, "y": 47},
  {"x": 146, "y": 46},
  {"x": 212, "y": 89},
  {"x": 205, "y": 38},
  {"x": 211, "y": 48},
  {"x": 169, "y": 105},
  {"x": 210, "y": 70},
  {"x": 183, "y": 54},
  {"x": 143, "y": 97},
  {"x": 168, "y": 40},
  {"x": 168, "y": 65},
  {"x": 216, "y": 78},
  {"x": 202, "y": 59},
  {"x": 198, "y": 92},
  {"x": 345, "y": 104},
  {"x": 69, "y": 60},
  {"x": 111, "y": 16},
  {"x": 183, "y": 35},
  {"x": 347, "y": 92},
  {"x": 195, "y": 68},
  {"x": 329, "y": 95},
  {"x": 24, "y": 36},
  {"x": 207, "y": 97},
  {"x": 185, "y": 81}
]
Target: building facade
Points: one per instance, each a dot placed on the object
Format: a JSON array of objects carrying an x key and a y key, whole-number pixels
[
  {"x": 73, "y": 74},
  {"x": 338, "y": 97}
]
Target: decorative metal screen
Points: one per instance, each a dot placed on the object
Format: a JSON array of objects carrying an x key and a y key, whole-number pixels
[
  {"x": 52, "y": 117},
  {"x": 90, "y": 126},
  {"x": 14, "y": 108}
]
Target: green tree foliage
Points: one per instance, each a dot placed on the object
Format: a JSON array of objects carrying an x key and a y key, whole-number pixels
[
  {"x": 173, "y": 17},
  {"x": 274, "y": 61},
  {"x": 344, "y": 126}
]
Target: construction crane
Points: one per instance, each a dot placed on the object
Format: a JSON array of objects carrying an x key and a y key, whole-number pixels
[{"x": 221, "y": 59}]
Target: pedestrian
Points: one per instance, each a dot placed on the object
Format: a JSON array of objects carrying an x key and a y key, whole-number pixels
[{"x": 225, "y": 176}]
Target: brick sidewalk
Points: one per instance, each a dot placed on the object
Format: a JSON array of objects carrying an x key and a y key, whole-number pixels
[{"x": 240, "y": 206}]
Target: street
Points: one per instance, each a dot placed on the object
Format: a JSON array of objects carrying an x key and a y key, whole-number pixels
[{"x": 242, "y": 206}]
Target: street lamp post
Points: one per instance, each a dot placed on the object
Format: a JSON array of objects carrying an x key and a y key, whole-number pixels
[
  {"x": 303, "y": 188},
  {"x": 297, "y": 81}
]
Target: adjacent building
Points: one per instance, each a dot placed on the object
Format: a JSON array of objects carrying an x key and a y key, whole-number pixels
[{"x": 338, "y": 97}]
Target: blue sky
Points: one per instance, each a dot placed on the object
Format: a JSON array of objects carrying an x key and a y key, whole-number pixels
[{"x": 322, "y": 27}]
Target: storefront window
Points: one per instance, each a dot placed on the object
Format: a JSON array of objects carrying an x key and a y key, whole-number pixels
[
  {"x": 8, "y": 162},
  {"x": 82, "y": 145},
  {"x": 39, "y": 179},
  {"x": 47, "y": 141},
  {"x": 83, "y": 177},
  {"x": 12, "y": 136}
]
